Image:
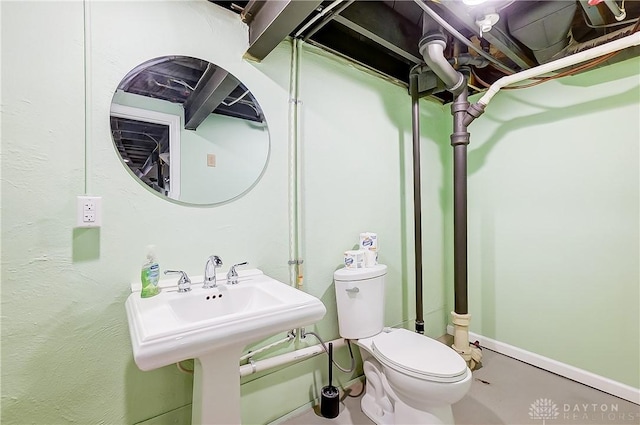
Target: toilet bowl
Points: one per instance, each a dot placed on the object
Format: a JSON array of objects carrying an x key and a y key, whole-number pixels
[{"x": 411, "y": 378}]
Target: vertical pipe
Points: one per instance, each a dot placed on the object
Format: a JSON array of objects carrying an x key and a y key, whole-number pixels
[
  {"x": 86, "y": 30},
  {"x": 298, "y": 170},
  {"x": 159, "y": 175},
  {"x": 459, "y": 141},
  {"x": 417, "y": 200},
  {"x": 293, "y": 164}
]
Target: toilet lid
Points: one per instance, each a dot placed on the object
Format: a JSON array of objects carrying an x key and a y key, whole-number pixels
[{"x": 419, "y": 356}]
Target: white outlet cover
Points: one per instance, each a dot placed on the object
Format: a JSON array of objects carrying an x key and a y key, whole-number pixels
[{"x": 89, "y": 211}]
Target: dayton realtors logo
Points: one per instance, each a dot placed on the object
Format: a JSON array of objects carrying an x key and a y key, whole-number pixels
[
  {"x": 601, "y": 412},
  {"x": 545, "y": 409}
]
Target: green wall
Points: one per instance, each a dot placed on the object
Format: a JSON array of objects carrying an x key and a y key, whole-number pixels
[
  {"x": 66, "y": 355},
  {"x": 554, "y": 221}
]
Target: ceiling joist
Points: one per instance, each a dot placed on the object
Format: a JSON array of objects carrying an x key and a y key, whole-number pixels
[
  {"x": 213, "y": 88},
  {"x": 272, "y": 21}
]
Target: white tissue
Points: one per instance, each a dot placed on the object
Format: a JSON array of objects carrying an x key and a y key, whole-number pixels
[
  {"x": 354, "y": 259},
  {"x": 369, "y": 244}
]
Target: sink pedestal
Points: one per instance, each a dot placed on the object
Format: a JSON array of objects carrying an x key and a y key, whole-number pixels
[
  {"x": 213, "y": 325},
  {"x": 216, "y": 387}
]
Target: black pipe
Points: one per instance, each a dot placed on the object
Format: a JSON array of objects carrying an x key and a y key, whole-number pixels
[
  {"x": 159, "y": 175},
  {"x": 417, "y": 200},
  {"x": 459, "y": 141}
]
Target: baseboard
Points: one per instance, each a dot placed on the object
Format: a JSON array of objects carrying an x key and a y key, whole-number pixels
[
  {"x": 582, "y": 376},
  {"x": 181, "y": 415}
]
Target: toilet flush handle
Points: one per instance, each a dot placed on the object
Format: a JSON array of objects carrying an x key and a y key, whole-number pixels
[{"x": 353, "y": 290}]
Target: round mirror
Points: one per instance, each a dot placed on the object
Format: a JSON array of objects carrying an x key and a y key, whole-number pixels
[{"x": 189, "y": 130}]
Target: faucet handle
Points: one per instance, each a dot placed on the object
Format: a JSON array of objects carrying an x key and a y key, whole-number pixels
[
  {"x": 232, "y": 275},
  {"x": 184, "y": 283}
]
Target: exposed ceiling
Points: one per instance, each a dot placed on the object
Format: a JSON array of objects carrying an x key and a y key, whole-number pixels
[
  {"x": 200, "y": 87},
  {"x": 491, "y": 39},
  {"x": 384, "y": 35}
]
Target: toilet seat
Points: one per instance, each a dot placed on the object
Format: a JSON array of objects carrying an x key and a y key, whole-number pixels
[{"x": 416, "y": 355}]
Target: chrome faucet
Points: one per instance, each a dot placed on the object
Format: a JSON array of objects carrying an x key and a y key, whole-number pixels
[
  {"x": 213, "y": 262},
  {"x": 232, "y": 275},
  {"x": 184, "y": 283}
]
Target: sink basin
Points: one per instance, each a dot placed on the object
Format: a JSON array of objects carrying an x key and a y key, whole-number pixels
[
  {"x": 173, "y": 326},
  {"x": 206, "y": 305},
  {"x": 213, "y": 326}
]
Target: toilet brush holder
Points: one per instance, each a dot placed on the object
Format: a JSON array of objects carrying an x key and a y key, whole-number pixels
[{"x": 330, "y": 397}]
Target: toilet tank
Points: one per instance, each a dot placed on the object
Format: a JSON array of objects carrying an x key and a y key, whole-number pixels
[{"x": 360, "y": 301}]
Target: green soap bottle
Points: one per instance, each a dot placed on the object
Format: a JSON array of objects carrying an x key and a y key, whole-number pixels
[{"x": 150, "y": 275}]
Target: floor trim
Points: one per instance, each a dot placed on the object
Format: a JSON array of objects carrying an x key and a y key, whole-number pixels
[{"x": 582, "y": 376}]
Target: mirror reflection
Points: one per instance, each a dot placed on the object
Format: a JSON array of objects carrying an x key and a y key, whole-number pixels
[{"x": 189, "y": 130}]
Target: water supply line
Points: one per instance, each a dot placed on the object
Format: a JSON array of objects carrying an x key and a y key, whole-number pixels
[{"x": 352, "y": 365}]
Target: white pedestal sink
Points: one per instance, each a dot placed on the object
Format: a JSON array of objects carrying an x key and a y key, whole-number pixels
[{"x": 213, "y": 326}]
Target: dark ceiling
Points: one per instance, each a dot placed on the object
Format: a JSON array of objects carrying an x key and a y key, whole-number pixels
[
  {"x": 383, "y": 35},
  {"x": 200, "y": 87}
]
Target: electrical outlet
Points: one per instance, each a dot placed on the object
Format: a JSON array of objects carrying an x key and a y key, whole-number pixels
[{"x": 89, "y": 212}]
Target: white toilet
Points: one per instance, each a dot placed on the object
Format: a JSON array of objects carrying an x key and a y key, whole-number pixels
[{"x": 411, "y": 378}]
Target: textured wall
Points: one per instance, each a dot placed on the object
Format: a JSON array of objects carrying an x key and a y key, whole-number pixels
[
  {"x": 66, "y": 355},
  {"x": 553, "y": 221},
  {"x": 549, "y": 244}
]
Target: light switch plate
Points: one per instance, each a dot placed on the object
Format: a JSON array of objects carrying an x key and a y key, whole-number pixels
[
  {"x": 89, "y": 211},
  {"x": 211, "y": 160}
]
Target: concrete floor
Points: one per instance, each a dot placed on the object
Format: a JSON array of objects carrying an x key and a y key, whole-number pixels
[{"x": 507, "y": 391}]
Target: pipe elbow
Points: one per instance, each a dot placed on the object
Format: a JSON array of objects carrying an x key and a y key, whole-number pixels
[{"x": 431, "y": 47}]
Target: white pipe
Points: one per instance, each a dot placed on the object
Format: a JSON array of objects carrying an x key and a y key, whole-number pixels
[
  {"x": 613, "y": 46},
  {"x": 283, "y": 359},
  {"x": 471, "y": 354},
  {"x": 293, "y": 163},
  {"x": 433, "y": 53},
  {"x": 289, "y": 337},
  {"x": 464, "y": 40},
  {"x": 88, "y": 98},
  {"x": 298, "y": 172},
  {"x": 619, "y": 14},
  {"x": 318, "y": 16}
]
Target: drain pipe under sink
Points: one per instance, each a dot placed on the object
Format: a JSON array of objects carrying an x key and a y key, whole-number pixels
[{"x": 432, "y": 46}]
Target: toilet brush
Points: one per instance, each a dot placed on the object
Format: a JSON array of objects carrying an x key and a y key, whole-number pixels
[{"x": 330, "y": 400}]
